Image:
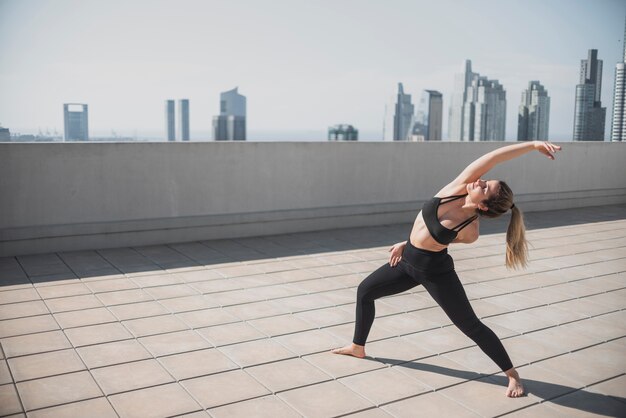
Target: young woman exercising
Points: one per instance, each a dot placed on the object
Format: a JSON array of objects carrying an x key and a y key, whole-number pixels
[{"x": 452, "y": 216}]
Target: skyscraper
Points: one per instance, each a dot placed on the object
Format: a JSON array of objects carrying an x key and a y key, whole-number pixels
[
  {"x": 403, "y": 115},
  {"x": 343, "y": 132},
  {"x": 478, "y": 108},
  {"x": 618, "y": 125},
  {"x": 170, "y": 129},
  {"x": 533, "y": 118},
  {"x": 427, "y": 124},
  {"x": 230, "y": 125},
  {"x": 589, "y": 115},
  {"x": 76, "y": 122},
  {"x": 183, "y": 119}
]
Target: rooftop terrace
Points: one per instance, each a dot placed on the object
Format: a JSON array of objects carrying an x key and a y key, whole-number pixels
[{"x": 242, "y": 327}]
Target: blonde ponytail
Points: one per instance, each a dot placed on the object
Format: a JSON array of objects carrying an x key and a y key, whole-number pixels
[{"x": 516, "y": 245}]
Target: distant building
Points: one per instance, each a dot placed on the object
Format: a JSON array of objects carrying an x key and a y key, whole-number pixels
[
  {"x": 589, "y": 115},
  {"x": 170, "y": 118},
  {"x": 5, "y": 134},
  {"x": 183, "y": 119},
  {"x": 618, "y": 125},
  {"x": 428, "y": 121},
  {"x": 230, "y": 125},
  {"x": 478, "y": 108},
  {"x": 76, "y": 122},
  {"x": 533, "y": 119},
  {"x": 343, "y": 133},
  {"x": 398, "y": 117}
]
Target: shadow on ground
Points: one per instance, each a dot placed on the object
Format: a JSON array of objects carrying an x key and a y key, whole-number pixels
[{"x": 589, "y": 402}]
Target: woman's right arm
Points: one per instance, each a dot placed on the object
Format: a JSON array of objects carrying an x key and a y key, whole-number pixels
[{"x": 484, "y": 164}]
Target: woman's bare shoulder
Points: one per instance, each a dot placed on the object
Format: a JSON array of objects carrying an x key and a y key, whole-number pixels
[{"x": 452, "y": 189}]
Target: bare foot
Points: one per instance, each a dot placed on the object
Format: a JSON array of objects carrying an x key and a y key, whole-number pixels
[
  {"x": 515, "y": 389},
  {"x": 351, "y": 350}
]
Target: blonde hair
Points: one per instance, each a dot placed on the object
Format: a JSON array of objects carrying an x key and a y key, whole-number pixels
[{"x": 516, "y": 244}]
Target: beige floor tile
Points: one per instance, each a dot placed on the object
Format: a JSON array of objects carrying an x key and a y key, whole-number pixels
[
  {"x": 473, "y": 359},
  {"x": 553, "y": 313},
  {"x": 440, "y": 340},
  {"x": 279, "y": 325},
  {"x": 85, "y": 317},
  {"x": 189, "y": 303},
  {"x": 236, "y": 297},
  {"x": 345, "y": 333},
  {"x": 131, "y": 376},
  {"x": 583, "y": 306},
  {"x": 230, "y": 333},
  {"x": 568, "y": 338},
  {"x": 615, "y": 388},
  {"x": 384, "y": 385},
  {"x": 326, "y": 317},
  {"x": 23, "y": 309},
  {"x": 257, "y": 310},
  {"x": 154, "y": 325},
  {"x": 237, "y": 271},
  {"x": 112, "y": 353},
  {"x": 338, "y": 400},
  {"x": 157, "y": 280},
  {"x": 405, "y": 323},
  {"x": 224, "y": 388},
  {"x": 520, "y": 322},
  {"x": 370, "y": 413},
  {"x": 43, "y": 365},
  {"x": 309, "y": 342},
  {"x": 584, "y": 403},
  {"x": 543, "y": 383},
  {"x": 34, "y": 343},
  {"x": 97, "y": 334},
  {"x": 9, "y": 401},
  {"x": 138, "y": 310},
  {"x": 57, "y": 390},
  {"x": 73, "y": 303},
  {"x": 265, "y": 407},
  {"x": 473, "y": 394},
  {"x": 338, "y": 366},
  {"x": 60, "y": 291},
  {"x": 207, "y": 317},
  {"x": 19, "y": 295},
  {"x": 92, "y": 408},
  {"x": 28, "y": 325},
  {"x": 174, "y": 343},
  {"x": 396, "y": 350},
  {"x": 436, "y": 372},
  {"x": 199, "y": 275},
  {"x": 5, "y": 375},
  {"x": 318, "y": 285},
  {"x": 256, "y": 352},
  {"x": 287, "y": 374},
  {"x": 213, "y": 286},
  {"x": 169, "y": 292},
  {"x": 197, "y": 363},
  {"x": 110, "y": 285},
  {"x": 537, "y": 410},
  {"x": 428, "y": 405},
  {"x": 155, "y": 402},
  {"x": 124, "y": 296},
  {"x": 306, "y": 302}
]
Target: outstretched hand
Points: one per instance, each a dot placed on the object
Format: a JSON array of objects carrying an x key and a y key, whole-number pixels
[
  {"x": 396, "y": 253},
  {"x": 546, "y": 148}
]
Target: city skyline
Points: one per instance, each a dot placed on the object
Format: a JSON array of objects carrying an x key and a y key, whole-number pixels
[{"x": 281, "y": 55}]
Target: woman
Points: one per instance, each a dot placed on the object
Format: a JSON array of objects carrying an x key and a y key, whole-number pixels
[{"x": 451, "y": 216}]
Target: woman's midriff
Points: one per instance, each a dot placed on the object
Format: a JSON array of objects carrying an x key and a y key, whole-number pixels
[{"x": 420, "y": 236}]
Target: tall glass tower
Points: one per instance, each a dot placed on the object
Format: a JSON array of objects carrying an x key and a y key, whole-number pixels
[
  {"x": 589, "y": 115},
  {"x": 478, "y": 108},
  {"x": 533, "y": 118},
  {"x": 618, "y": 126},
  {"x": 403, "y": 115},
  {"x": 76, "y": 122},
  {"x": 230, "y": 125},
  {"x": 427, "y": 126},
  {"x": 183, "y": 119},
  {"x": 170, "y": 129}
]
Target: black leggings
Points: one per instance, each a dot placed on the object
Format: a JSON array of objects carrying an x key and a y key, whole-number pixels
[{"x": 435, "y": 271}]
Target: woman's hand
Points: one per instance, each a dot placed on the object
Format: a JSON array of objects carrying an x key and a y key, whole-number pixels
[
  {"x": 546, "y": 148},
  {"x": 396, "y": 253}
]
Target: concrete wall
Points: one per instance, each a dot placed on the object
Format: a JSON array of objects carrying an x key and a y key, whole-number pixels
[{"x": 76, "y": 196}]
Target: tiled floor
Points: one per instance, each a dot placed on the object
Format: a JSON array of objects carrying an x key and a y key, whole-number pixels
[{"x": 242, "y": 328}]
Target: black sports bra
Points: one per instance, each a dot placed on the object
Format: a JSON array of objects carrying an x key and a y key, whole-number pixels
[{"x": 440, "y": 233}]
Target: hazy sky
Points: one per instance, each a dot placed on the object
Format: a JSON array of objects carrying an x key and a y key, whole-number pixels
[{"x": 303, "y": 65}]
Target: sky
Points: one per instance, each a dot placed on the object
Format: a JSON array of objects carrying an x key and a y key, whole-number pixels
[{"x": 303, "y": 65}]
